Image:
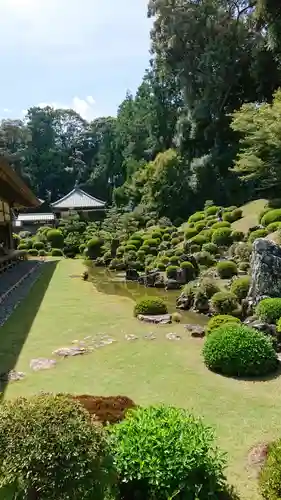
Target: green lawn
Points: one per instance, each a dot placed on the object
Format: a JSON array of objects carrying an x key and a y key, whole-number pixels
[{"x": 60, "y": 309}]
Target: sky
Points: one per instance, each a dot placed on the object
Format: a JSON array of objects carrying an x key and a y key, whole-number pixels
[{"x": 82, "y": 54}]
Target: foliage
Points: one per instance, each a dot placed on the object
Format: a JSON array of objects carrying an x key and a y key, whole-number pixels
[
  {"x": 39, "y": 245},
  {"x": 270, "y": 475},
  {"x": 244, "y": 266},
  {"x": 243, "y": 251},
  {"x": 237, "y": 235},
  {"x": 172, "y": 272},
  {"x": 204, "y": 258},
  {"x": 42, "y": 253},
  {"x": 219, "y": 225},
  {"x": 269, "y": 310},
  {"x": 271, "y": 216},
  {"x": 55, "y": 238},
  {"x": 226, "y": 269},
  {"x": 274, "y": 226},
  {"x": 211, "y": 248},
  {"x": 33, "y": 252},
  {"x": 199, "y": 240},
  {"x": 196, "y": 217},
  {"x": 224, "y": 303},
  {"x": 56, "y": 252},
  {"x": 164, "y": 452},
  {"x": 240, "y": 287},
  {"x": 222, "y": 237},
  {"x": 219, "y": 320},
  {"x": 259, "y": 233},
  {"x": 40, "y": 459},
  {"x": 23, "y": 246},
  {"x": 209, "y": 287},
  {"x": 237, "y": 350},
  {"x": 150, "y": 306},
  {"x": 94, "y": 247}
]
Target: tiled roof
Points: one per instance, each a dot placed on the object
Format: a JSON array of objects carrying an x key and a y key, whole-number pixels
[
  {"x": 35, "y": 217},
  {"x": 77, "y": 198}
]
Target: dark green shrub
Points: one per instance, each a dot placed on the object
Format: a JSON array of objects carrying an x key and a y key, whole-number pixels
[
  {"x": 39, "y": 245},
  {"x": 198, "y": 240},
  {"x": 231, "y": 208},
  {"x": 237, "y": 350},
  {"x": 42, "y": 253},
  {"x": 166, "y": 237},
  {"x": 163, "y": 453},
  {"x": 25, "y": 234},
  {"x": 82, "y": 248},
  {"x": 175, "y": 241},
  {"x": 179, "y": 252},
  {"x": 22, "y": 246},
  {"x": 194, "y": 248},
  {"x": 197, "y": 217},
  {"x": 151, "y": 242},
  {"x": 56, "y": 252},
  {"x": 213, "y": 210},
  {"x": 130, "y": 248},
  {"x": 120, "y": 250},
  {"x": 209, "y": 287},
  {"x": 259, "y": 233},
  {"x": 237, "y": 235},
  {"x": 226, "y": 269},
  {"x": 240, "y": 287},
  {"x": 33, "y": 252},
  {"x": 211, "y": 248},
  {"x": 117, "y": 265},
  {"x": 28, "y": 242},
  {"x": 172, "y": 272},
  {"x": 221, "y": 224},
  {"x": 94, "y": 247},
  {"x": 165, "y": 259},
  {"x": 55, "y": 238},
  {"x": 174, "y": 260},
  {"x": 244, "y": 266},
  {"x": 156, "y": 235},
  {"x": 161, "y": 266},
  {"x": 169, "y": 253},
  {"x": 50, "y": 449},
  {"x": 145, "y": 249},
  {"x": 164, "y": 246},
  {"x": 207, "y": 234},
  {"x": 237, "y": 214},
  {"x": 141, "y": 255},
  {"x": 222, "y": 236},
  {"x": 224, "y": 303},
  {"x": 190, "y": 233},
  {"x": 263, "y": 212},
  {"x": 169, "y": 230},
  {"x": 228, "y": 217},
  {"x": 204, "y": 259},
  {"x": 271, "y": 216},
  {"x": 269, "y": 310},
  {"x": 189, "y": 270},
  {"x": 150, "y": 306},
  {"x": 274, "y": 226},
  {"x": 270, "y": 475},
  {"x": 136, "y": 243},
  {"x": 199, "y": 226},
  {"x": 219, "y": 320},
  {"x": 211, "y": 221}
]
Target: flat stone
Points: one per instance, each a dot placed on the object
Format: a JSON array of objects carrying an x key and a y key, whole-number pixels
[
  {"x": 173, "y": 336},
  {"x": 257, "y": 456},
  {"x": 196, "y": 331},
  {"x": 71, "y": 351},
  {"x": 163, "y": 319},
  {"x": 12, "y": 376},
  {"x": 131, "y": 337},
  {"x": 150, "y": 336},
  {"x": 42, "y": 364}
]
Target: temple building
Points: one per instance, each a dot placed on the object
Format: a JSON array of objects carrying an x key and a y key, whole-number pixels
[{"x": 79, "y": 201}]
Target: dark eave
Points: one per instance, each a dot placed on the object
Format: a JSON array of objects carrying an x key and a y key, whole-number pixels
[{"x": 13, "y": 189}]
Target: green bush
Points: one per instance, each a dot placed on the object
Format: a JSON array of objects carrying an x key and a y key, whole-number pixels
[
  {"x": 213, "y": 210},
  {"x": 82, "y": 248},
  {"x": 163, "y": 453},
  {"x": 161, "y": 266},
  {"x": 174, "y": 259},
  {"x": 56, "y": 252},
  {"x": 151, "y": 242},
  {"x": 39, "y": 245},
  {"x": 240, "y": 287},
  {"x": 271, "y": 216},
  {"x": 199, "y": 226},
  {"x": 232, "y": 216},
  {"x": 166, "y": 237},
  {"x": 198, "y": 240},
  {"x": 274, "y": 226},
  {"x": 219, "y": 320},
  {"x": 150, "y": 306},
  {"x": 170, "y": 253},
  {"x": 244, "y": 266},
  {"x": 141, "y": 255},
  {"x": 259, "y": 233},
  {"x": 42, "y": 253},
  {"x": 33, "y": 252},
  {"x": 221, "y": 224},
  {"x": 237, "y": 350},
  {"x": 145, "y": 249},
  {"x": 165, "y": 259},
  {"x": 117, "y": 265},
  {"x": 120, "y": 250},
  {"x": 224, "y": 303},
  {"x": 211, "y": 248},
  {"x": 22, "y": 246},
  {"x": 179, "y": 252},
  {"x": 156, "y": 235},
  {"x": 136, "y": 243},
  {"x": 207, "y": 234},
  {"x": 194, "y": 248},
  {"x": 211, "y": 221},
  {"x": 175, "y": 241},
  {"x": 172, "y": 272},
  {"x": 222, "y": 236},
  {"x": 190, "y": 233},
  {"x": 204, "y": 259},
  {"x": 189, "y": 270},
  {"x": 269, "y": 310},
  {"x": 94, "y": 247},
  {"x": 50, "y": 449},
  {"x": 243, "y": 251},
  {"x": 197, "y": 217},
  {"x": 228, "y": 217},
  {"x": 209, "y": 287},
  {"x": 237, "y": 235},
  {"x": 55, "y": 238},
  {"x": 226, "y": 269},
  {"x": 270, "y": 475},
  {"x": 130, "y": 248}
]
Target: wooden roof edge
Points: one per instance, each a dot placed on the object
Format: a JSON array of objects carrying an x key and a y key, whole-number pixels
[{"x": 25, "y": 194}]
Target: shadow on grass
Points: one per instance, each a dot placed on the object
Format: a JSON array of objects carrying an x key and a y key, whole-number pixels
[
  {"x": 14, "y": 332},
  {"x": 265, "y": 378}
]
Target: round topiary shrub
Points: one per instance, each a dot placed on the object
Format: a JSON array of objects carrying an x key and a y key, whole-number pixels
[
  {"x": 243, "y": 251},
  {"x": 145, "y": 249},
  {"x": 204, "y": 259},
  {"x": 175, "y": 241},
  {"x": 269, "y": 310},
  {"x": 82, "y": 248},
  {"x": 159, "y": 450},
  {"x": 166, "y": 237},
  {"x": 270, "y": 475},
  {"x": 156, "y": 235},
  {"x": 56, "y": 252},
  {"x": 151, "y": 242},
  {"x": 224, "y": 303},
  {"x": 197, "y": 217},
  {"x": 33, "y": 252},
  {"x": 160, "y": 266},
  {"x": 239, "y": 351},
  {"x": 222, "y": 236},
  {"x": 259, "y": 233},
  {"x": 39, "y": 245},
  {"x": 244, "y": 266},
  {"x": 189, "y": 270},
  {"x": 179, "y": 252},
  {"x": 117, "y": 264},
  {"x": 213, "y": 210},
  {"x": 211, "y": 248},
  {"x": 22, "y": 246},
  {"x": 55, "y": 238},
  {"x": 226, "y": 269},
  {"x": 150, "y": 306},
  {"x": 228, "y": 217},
  {"x": 240, "y": 287},
  {"x": 199, "y": 226},
  {"x": 221, "y": 224},
  {"x": 209, "y": 287},
  {"x": 51, "y": 449},
  {"x": 174, "y": 260},
  {"x": 190, "y": 233},
  {"x": 207, "y": 234},
  {"x": 219, "y": 320},
  {"x": 237, "y": 235},
  {"x": 94, "y": 247},
  {"x": 211, "y": 221},
  {"x": 172, "y": 272},
  {"x": 271, "y": 216},
  {"x": 42, "y": 253},
  {"x": 198, "y": 240},
  {"x": 130, "y": 248},
  {"x": 194, "y": 248},
  {"x": 136, "y": 243}
]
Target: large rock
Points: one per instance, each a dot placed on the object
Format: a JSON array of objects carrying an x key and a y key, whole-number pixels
[
  {"x": 163, "y": 319},
  {"x": 132, "y": 275},
  {"x": 266, "y": 271},
  {"x": 172, "y": 285},
  {"x": 149, "y": 279}
]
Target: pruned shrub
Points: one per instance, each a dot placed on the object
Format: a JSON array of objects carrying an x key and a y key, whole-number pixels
[
  {"x": 209, "y": 287},
  {"x": 174, "y": 259},
  {"x": 179, "y": 252},
  {"x": 56, "y": 252},
  {"x": 274, "y": 226},
  {"x": 94, "y": 247},
  {"x": 39, "y": 245},
  {"x": 211, "y": 221},
  {"x": 222, "y": 236},
  {"x": 199, "y": 240},
  {"x": 166, "y": 237},
  {"x": 172, "y": 272},
  {"x": 136, "y": 243},
  {"x": 130, "y": 248},
  {"x": 55, "y": 238},
  {"x": 197, "y": 217},
  {"x": 219, "y": 320},
  {"x": 259, "y": 233},
  {"x": 159, "y": 451},
  {"x": 237, "y": 235},
  {"x": 228, "y": 217},
  {"x": 224, "y": 303},
  {"x": 33, "y": 252},
  {"x": 226, "y": 269},
  {"x": 271, "y": 216},
  {"x": 176, "y": 317},
  {"x": 270, "y": 475},
  {"x": 212, "y": 248},
  {"x": 189, "y": 270},
  {"x": 237, "y": 350},
  {"x": 145, "y": 249},
  {"x": 175, "y": 241},
  {"x": 269, "y": 310},
  {"x": 221, "y": 224},
  {"x": 117, "y": 265},
  {"x": 42, "y": 253},
  {"x": 194, "y": 248},
  {"x": 23, "y": 246},
  {"x": 243, "y": 251},
  {"x": 213, "y": 210},
  {"x": 240, "y": 287},
  {"x": 161, "y": 266},
  {"x": 82, "y": 248},
  {"x": 150, "y": 306},
  {"x": 51, "y": 449},
  {"x": 199, "y": 226},
  {"x": 190, "y": 233},
  {"x": 244, "y": 266},
  {"x": 204, "y": 259},
  {"x": 156, "y": 235}
]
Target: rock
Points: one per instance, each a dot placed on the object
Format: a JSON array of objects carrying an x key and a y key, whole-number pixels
[
  {"x": 163, "y": 319},
  {"x": 172, "y": 285},
  {"x": 132, "y": 275},
  {"x": 184, "y": 302},
  {"x": 12, "y": 376},
  {"x": 266, "y": 271},
  {"x": 173, "y": 336},
  {"x": 196, "y": 331},
  {"x": 85, "y": 276},
  {"x": 257, "y": 456},
  {"x": 160, "y": 283},
  {"x": 201, "y": 304},
  {"x": 71, "y": 351},
  {"x": 149, "y": 279},
  {"x": 42, "y": 364},
  {"x": 150, "y": 336},
  {"x": 131, "y": 337},
  {"x": 266, "y": 328}
]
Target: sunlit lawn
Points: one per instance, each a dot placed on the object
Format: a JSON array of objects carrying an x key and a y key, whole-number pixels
[{"x": 243, "y": 413}]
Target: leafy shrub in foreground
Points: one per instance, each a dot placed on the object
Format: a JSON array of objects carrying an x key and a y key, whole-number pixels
[
  {"x": 56, "y": 252},
  {"x": 222, "y": 236},
  {"x": 226, "y": 269},
  {"x": 55, "y": 238},
  {"x": 219, "y": 320},
  {"x": 224, "y": 303},
  {"x": 271, "y": 216},
  {"x": 270, "y": 475},
  {"x": 240, "y": 287},
  {"x": 51, "y": 449},
  {"x": 164, "y": 452},
  {"x": 150, "y": 306},
  {"x": 237, "y": 350},
  {"x": 259, "y": 233},
  {"x": 269, "y": 310}
]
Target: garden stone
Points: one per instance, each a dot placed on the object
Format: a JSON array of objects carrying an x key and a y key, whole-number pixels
[
  {"x": 201, "y": 304},
  {"x": 196, "y": 331},
  {"x": 183, "y": 302},
  {"x": 263, "y": 327},
  {"x": 150, "y": 336},
  {"x": 173, "y": 336},
  {"x": 12, "y": 376},
  {"x": 172, "y": 285},
  {"x": 132, "y": 275},
  {"x": 266, "y": 271},
  {"x": 131, "y": 337},
  {"x": 160, "y": 283},
  {"x": 149, "y": 279},
  {"x": 163, "y": 319},
  {"x": 71, "y": 351},
  {"x": 42, "y": 364}
]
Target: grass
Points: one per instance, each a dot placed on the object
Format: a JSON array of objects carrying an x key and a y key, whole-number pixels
[
  {"x": 60, "y": 309},
  {"x": 251, "y": 212}
]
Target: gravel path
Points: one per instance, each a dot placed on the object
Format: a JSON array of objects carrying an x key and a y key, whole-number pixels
[{"x": 15, "y": 285}]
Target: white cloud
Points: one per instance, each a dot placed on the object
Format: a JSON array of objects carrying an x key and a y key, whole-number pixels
[{"x": 84, "y": 107}]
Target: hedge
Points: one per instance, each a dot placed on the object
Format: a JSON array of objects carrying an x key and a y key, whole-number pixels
[
  {"x": 222, "y": 236},
  {"x": 224, "y": 303},
  {"x": 240, "y": 287},
  {"x": 271, "y": 216},
  {"x": 150, "y": 306},
  {"x": 219, "y": 320},
  {"x": 269, "y": 310},
  {"x": 55, "y": 238},
  {"x": 226, "y": 269}
]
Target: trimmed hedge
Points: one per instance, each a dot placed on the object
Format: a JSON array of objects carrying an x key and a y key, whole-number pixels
[
  {"x": 198, "y": 240},
  {"x": 172, "y": 272},
  {"x": 237, "y": 350},
  {"x": 259, "y": 233},
  {"x": 226, "y": 269},
  {"x": 237, "y": 235},
  {"x": 197, "y": 217},
  {"x": 224, "y": 303},
  {"x": 190, "y": 233},
  {"x": 204, "y": 259},
  {"x": 271, "y": 216},
  {"x": 240, "y": 287},
  {"x": 269, "y": 310},
  {"x": 56, "y": 252},
  {"x": 33, "y": 252},
  {"x": 39, "y": 245},
  {"x": 219, "y": 320},
  {"x": 274, "y": 226},
  {"x": 94, "y": 247},
  {"x": 55, "y": 238},
  {"x": 222, "y": 236},
  {"x": 213, "y": 210},
  {"x": 150, "y": 306},
  {"x": 211, "y": 248},
  {"x": 199, "y": 226},
  {"x": 221, "y": 224},
  {"x": 208, "y": 287}
]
